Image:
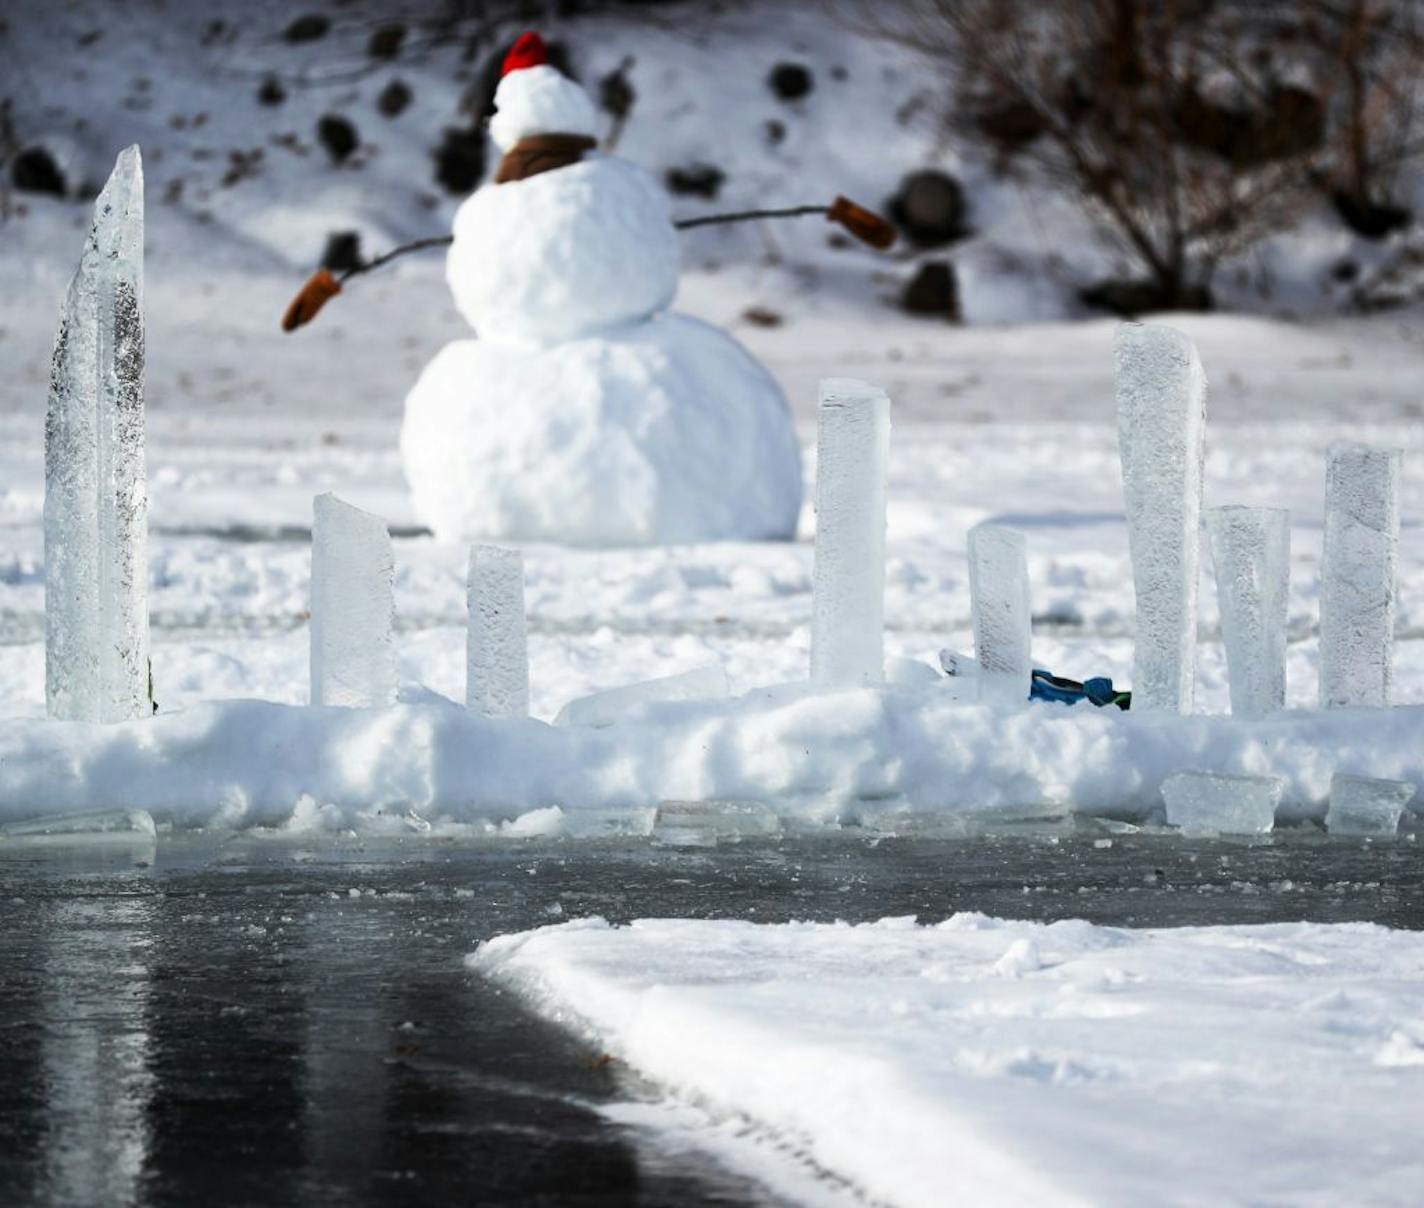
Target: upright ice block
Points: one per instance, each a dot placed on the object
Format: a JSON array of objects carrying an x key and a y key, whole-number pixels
[
  {"x": 496, "y": 643},
  {"x": 1161, "y": 405},
  {"x": 1357, "y": 575},
  {"x": 1211, "y": 803},
  {"x": 1000, "y": 610},
  {"x": 96, "y": 490},
  {"x": 1251, "y": 551},
  {"x": 848, "y": 608},
  {"x": 1365, "y": 805},
  {"x": 353, "y": 656}
]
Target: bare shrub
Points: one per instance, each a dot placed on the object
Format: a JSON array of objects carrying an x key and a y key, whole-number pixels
[{"x": 1188, "y": 129}]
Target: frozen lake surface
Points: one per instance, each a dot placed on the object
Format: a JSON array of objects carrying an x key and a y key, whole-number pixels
[{"x": 246, "y": 1020}]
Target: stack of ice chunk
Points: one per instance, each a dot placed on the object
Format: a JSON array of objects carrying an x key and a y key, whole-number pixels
[
  {"x": 496, "y": 641},
  {"x": 353, "y": 657},
  {"x": 1000, "y": 608},
  {"x": 1206, "y": 803},
  {"x": 1161, "y": 401},
  {"x": 96, "y": 493},
  {"x": 1357, "y": 575},
  {"x": 852, "y": 451},
  {"x": 605, "y": 708},
  {"x": 1363, "y": 805},
  {"x": 1251, "y": 550}
]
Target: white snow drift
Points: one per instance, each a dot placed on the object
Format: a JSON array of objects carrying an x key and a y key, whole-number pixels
[
  {"x": 899, "y": 759},
  {"x": 991, "y": 1062}
]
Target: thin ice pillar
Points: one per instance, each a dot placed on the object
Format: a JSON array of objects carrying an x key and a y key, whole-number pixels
[
  {"x": 1161, "y": 407},
  {"x": 496, "y": 642},
  {"x": 1001, "y": 610},
  {"x": 1250, "y": 548},
  {"x": 353, "y": 657},
  {"x": 1357, "y": 575},
  {"x": 848, "y": 608},
  {"x": 96, "y": 490}
]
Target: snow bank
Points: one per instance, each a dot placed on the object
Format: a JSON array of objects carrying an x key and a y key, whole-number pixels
[
  {"x": 993, "y": 1062},
  {"x": 828, "y": 756}
]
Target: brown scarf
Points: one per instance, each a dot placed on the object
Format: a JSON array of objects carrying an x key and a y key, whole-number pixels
[{"x": 537, "y": 153}]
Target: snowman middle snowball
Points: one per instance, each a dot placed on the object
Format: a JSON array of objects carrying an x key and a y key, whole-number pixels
[{"x": 584, "y": 414}]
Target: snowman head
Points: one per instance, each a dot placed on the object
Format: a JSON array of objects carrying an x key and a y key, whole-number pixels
[{"x": 534, "y": 98}]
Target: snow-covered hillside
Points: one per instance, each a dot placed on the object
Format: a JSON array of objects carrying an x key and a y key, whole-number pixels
[{"x": 247, "y": 192}]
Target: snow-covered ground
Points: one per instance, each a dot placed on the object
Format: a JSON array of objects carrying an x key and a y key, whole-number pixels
[
  {"x": 996, "y": 1062},
  {"x": 1015, "y": 424},
  {"x": 246, "y": 424},
  {"x": 989, "y": 1059}
]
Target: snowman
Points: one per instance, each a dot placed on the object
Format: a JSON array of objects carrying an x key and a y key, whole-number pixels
[{"x": 587, "y": 412}]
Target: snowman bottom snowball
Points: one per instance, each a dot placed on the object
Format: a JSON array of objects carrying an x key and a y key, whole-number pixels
[{"x": 660, "y": 432}]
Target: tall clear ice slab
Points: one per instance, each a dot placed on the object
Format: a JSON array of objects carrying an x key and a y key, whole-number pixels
[
  {"x": 848, "y": 583},
  {"x": 1001, "y": 611},
  {"x": 1357, "y": 575},
  {"x": 96, "y": 487},
  {"x": 1161, "y": 408},
  {"x": 1250, "y": 548},
  {"x": 496, "y": 639},
  {"x": 353, "y": 654}
]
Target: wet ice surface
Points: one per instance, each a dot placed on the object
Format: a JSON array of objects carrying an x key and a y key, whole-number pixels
[{"x": 196, "y": 1021}]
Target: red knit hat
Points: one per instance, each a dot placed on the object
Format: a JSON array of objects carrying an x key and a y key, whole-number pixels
[{"x": 527, "y": 52}]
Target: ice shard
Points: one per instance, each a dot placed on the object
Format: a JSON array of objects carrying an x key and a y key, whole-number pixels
[
  {"x": 1250, "y": 548},
  {"x": 1000, "y": 608},
  {"x": 1366, "y": 806},
  {"x": 1161, "y": 408},
  {"x": 848, "y": 585},
  {"x": 84, "y": 826},
  {"x": 710, "y": 823},
  {"x": 96, "y": 490},
  {"x": 1207, "y": 803},
  {"x": 353, "y": 655},
  {"x": 605, "y": 708},
  {"x": 1357, "y": 575},
  {"x": 496, "y": 643}
]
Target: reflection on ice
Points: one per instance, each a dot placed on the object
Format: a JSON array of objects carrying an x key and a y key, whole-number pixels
[{"x": 97, "y": 1052}]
